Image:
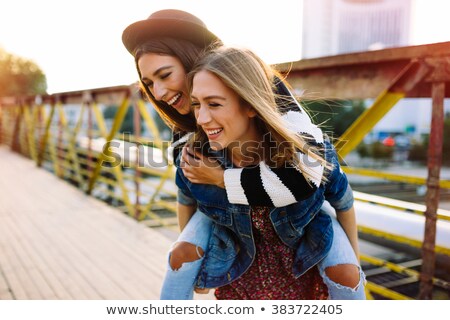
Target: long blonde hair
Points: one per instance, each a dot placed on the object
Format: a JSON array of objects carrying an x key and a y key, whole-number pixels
[{"x": 253, "y": 80}]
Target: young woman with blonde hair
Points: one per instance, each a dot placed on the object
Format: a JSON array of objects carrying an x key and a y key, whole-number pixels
[{"x": 259, "y": 252}]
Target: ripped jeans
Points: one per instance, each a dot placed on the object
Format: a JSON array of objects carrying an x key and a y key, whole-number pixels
[
  {"x": 179, "y": 284},
  {"x": 341, "y": 252}
]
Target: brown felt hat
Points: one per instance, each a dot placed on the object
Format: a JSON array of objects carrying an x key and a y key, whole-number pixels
[{"x": 167, "y": 23}]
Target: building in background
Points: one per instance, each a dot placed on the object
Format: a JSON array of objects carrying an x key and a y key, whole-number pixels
[{"x": 332, "y": 27}]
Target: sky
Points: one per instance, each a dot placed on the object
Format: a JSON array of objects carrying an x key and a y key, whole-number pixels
[{"x": 77, "y": 43}]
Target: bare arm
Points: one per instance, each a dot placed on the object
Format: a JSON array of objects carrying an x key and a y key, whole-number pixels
[
  {"x": 347, "y": 219},
  {"x": 184, "y": 214}
]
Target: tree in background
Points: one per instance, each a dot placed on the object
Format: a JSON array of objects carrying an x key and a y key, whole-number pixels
[
  {"x": 419, "y": 149},
  {"x": 334, "y": 116},
  {"x": 19, "y": 76},
  {"x": 446, "y": 146}
]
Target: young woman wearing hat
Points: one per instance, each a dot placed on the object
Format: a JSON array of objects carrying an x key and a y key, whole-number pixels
[{"x": 165, "y": 47}]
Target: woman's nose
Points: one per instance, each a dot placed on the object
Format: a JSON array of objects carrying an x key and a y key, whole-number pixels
[
  {"x": 202, "y": 116},
  {"x": 159, "y": 91}
]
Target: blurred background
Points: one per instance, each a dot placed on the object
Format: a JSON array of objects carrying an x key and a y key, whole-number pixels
[
  {"x": 77, "y": 44},
  {"x": 67, "y": 87}
]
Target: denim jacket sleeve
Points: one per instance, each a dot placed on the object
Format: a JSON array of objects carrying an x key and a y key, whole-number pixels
[
  {"x": 184, "y": 195},
  {"x": 337, "y": 189}
]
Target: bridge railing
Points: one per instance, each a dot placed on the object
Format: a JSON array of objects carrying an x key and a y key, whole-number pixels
[
  {"x": 388, "y": 76},
  {"x": 67, "y": 133}
]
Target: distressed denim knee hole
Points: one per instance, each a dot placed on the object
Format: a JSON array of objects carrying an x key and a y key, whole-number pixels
[
  {"x": 347, "y": 275},
  {"x": 338, "y": 291},
  {"x": 184, "y": 252}
]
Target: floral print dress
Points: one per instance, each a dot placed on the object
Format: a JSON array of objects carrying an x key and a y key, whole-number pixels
[{"x": 270, "y": 276}]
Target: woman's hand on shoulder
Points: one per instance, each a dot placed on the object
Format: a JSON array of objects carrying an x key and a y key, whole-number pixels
[{"x": 200, "y": 169}]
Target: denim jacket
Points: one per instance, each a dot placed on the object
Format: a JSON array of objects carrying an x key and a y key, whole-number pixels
[{"x": 301, "y": 226}]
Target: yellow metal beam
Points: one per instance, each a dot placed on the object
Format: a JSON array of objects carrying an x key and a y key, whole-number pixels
[
  {"x": 393, "y": 177},
  {"x": 16, "y": 139},
  {"x": 401, "y": 269},
  {"x": 100, "y": 122},
  {"x": 23, "y": 133},
  {"x": 167, "y": 174},
  {"x": 364, "y": 124},
  {"x": 151, "y": 125},
  {"x": 71, "y": 144},
  {"x": 118, "y": 119},
  {"x": 372, "y": 287},
  {"x": 30, "y": 131},
  {"x": 73, "y": 147},
  {"x": 400, "y": 239},
  {"x": 398, "y": 204},
  {"x": 405, "y": 81},
  {"x": 45, "y": 137}
]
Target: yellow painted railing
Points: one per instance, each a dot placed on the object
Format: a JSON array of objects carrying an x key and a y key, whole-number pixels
[
  {"x": 43, "y": 130},
  {"x": 45, "y": 133},
  {"x": 69, "y": 147}
]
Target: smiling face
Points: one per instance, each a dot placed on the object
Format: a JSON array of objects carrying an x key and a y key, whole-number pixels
[
  {"x": 165, "y": 77},
  {"x": 221, "y": 113}
]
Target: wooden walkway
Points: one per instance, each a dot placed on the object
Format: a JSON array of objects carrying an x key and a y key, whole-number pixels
[{"x": 58, "y": 243}]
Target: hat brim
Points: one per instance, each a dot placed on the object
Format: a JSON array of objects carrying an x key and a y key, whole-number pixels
[{"x": 144, "y": 30}]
